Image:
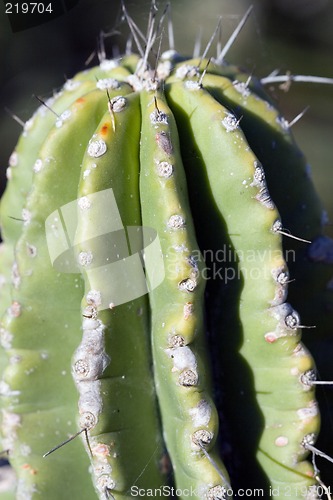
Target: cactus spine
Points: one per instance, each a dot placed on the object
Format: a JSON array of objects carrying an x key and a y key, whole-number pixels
[{"x": 164, "y": 168}]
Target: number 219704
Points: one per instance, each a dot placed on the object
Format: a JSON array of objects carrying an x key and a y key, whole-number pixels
[{"x": 28, "y": 8}]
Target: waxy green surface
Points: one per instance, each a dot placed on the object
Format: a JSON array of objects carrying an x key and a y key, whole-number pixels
[{"x": 196, "y": 162}]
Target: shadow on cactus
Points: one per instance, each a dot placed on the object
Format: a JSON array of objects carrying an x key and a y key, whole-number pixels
[{"x": 157, "y": 213}]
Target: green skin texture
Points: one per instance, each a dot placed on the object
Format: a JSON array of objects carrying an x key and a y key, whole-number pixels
[
  {"x": 51, "y": 304},
  {"x": 301, "y": 211},
  {"x": 27, "y": 151},
  {"x": 162, "y": 198},
  {"x": 127, "y": 388},
  {"x": 236, "y": 164},
  {"x": 40, "y": 416}
]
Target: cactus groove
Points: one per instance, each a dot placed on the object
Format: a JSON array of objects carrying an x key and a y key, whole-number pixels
[{"x": 144, "y": 288}]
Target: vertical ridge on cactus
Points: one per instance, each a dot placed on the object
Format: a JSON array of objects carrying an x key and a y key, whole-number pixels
[
  {"x": 263, "y": 311},
  {"x": 146, "y": 307},
  {"x": 113, "y": 356},
  {"x": 177, "y": 305}
]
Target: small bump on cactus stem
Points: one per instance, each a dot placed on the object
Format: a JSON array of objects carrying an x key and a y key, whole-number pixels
[{"x": 119, "y": 316}]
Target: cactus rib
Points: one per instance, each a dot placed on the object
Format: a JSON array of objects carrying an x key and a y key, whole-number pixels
[
  {"x": 119, "y": 331},
  {"x": 34, "y": 411},
  {"x": 236, "y": 177},
  {"x": 177, "y": 322}
]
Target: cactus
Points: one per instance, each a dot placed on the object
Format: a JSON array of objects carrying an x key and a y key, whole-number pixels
[{"x": 146, "y": 223}]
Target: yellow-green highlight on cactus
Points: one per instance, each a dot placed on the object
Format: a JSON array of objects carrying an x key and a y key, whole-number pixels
[{"x": 146, "y": 223}]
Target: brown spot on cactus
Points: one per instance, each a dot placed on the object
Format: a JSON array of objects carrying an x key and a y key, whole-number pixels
[{"x": 104, "y": 129}]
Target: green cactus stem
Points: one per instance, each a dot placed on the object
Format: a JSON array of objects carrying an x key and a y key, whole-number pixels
[
  {"x": 119, "y": 362},
  {"x": 144, "y": 287},
  {"x": 36, "y": 414},
  {"x": 310, "y": 266},
  {"x": 239, "y": 179},
  {"x": 189, "y": 417}
]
